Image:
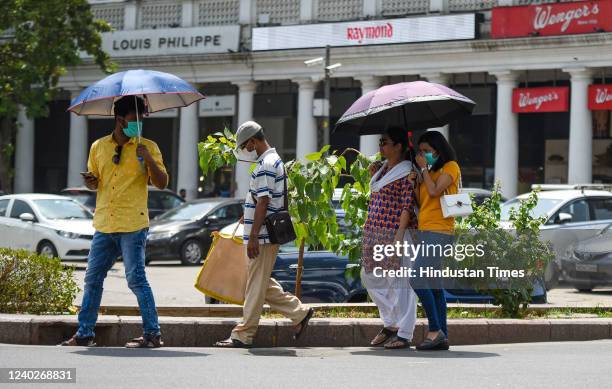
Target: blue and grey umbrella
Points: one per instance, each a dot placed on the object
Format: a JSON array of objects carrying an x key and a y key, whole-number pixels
[{"x": 158, "y": 89}]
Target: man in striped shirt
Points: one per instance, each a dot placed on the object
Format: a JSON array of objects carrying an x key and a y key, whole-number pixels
[{"x": 265, "y": 197}]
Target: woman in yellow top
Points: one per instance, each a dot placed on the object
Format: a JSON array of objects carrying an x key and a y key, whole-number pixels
[{"x": 440, "y": 173}]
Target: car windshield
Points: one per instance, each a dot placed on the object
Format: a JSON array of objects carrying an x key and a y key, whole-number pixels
[
  {"x": 62, "y": 209},
  {"x": 543, "y": 208},
  {"x": 188, "y": 211},
  {"x": 84, "y": 197}
]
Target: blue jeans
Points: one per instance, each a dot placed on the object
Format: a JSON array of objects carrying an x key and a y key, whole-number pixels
[
  {"x": 430, "y": 291},
  {"x": 105, "y": 248}
]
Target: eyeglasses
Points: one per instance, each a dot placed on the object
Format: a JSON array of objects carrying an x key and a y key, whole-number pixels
[
  {"x": 242, "y": 146},
  {"x": 383, "y": 142},
  {"x": 117, "y": 156}
]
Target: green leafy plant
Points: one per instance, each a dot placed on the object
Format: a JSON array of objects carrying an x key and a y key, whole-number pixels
[
  {"x": 31, "y": 283},
  {"x": 514, "y": 246},
  {"x": 40, "y": 41},
  {"x": 311, "y": 187}
]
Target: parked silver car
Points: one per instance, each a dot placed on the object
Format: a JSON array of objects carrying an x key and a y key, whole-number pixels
[
  {"x": 588, "y": 263},
  {"x": 571, "y": 216}
]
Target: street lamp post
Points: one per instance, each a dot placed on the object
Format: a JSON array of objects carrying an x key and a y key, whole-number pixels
[
  {"x": 328, "y": 70},
  {"x": 326, "y": 97}
]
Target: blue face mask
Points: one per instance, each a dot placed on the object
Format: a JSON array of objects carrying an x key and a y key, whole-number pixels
[
  {"x": 430, "y": 158},
  {"x": 133, "y": 129}
]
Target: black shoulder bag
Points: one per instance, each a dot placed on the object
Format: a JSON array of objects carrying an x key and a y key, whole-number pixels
[{"x": 279, "y": 224}]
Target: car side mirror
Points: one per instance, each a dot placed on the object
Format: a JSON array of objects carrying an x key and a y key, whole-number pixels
[
  {"x": 27, "y": 217},
  {"x": 563, "y": 218},
  {"x": 212, "y": 219}
]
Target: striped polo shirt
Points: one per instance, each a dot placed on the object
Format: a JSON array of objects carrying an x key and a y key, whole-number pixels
[{"x": 267, "y": 179}]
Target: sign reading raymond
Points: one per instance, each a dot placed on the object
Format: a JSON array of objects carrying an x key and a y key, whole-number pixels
[
  {"x": 600, "y": 97},
  {"x": 543, "y": 99},
  {"x": 581, "y": 17},
  {"x": 370, "y": 32}
]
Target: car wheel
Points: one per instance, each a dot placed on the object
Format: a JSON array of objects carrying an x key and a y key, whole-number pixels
[
  {"x": 584, "y": 290},
  {"x": 192, "y": 252},
  {"x": 47, "y": 249}
]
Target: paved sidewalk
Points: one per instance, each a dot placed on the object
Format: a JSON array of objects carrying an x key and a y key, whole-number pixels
[{"x": 534, "y": 365}]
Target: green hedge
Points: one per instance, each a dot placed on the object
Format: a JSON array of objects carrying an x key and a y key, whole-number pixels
[{"x": 31, "y": 283}]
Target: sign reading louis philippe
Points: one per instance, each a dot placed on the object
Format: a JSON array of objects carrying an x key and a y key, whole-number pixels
[
  {"x": 581, "y": 17},
  {"x": 171, "y": 41},
  {"x": 544, "y": 99},
  {"x": 600, "y": 97}
]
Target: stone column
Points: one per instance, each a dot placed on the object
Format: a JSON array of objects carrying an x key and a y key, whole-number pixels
[
  {"x": 24, "y": 154},
  {"x": 507, "y": 138},
  {"x": 130, "y": 15},
  {"x": 188, "y": 151},
  {"x": 246, "y": 92},
  {"x": 77, "y": 149},
  {"x": 187, "y": 13},
  {"x": 368, "y": 144},
  {"x": 307, "y": 124},
  {"x": 580, "y": 164},
  {"x": 438, "y": 6},
  {"x": 442, "y": 79},
  {"x": 306, "y": 11},
  {"x": 245, "y": 13},
  {"x": 370, "y": 8}
]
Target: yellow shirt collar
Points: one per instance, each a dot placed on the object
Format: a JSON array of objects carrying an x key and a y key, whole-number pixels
[{"x": 112, "y": 140}]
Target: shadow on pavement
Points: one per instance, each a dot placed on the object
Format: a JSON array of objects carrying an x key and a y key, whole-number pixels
[
  {"x": 141, "y": 353},
  {"x": 327, "y": 352},
  {"x": 451, "y": 354},
  {"x": 273, "y": 352}
]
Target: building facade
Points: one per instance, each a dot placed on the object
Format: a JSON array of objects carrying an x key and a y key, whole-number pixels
[{"x": 538, "y": 71}]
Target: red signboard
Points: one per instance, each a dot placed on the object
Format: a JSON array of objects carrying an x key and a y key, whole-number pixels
[
  {"x": 544, "y": 99},
  {"x": 552, "y": 19},
  {"x": 600, "y": 97}
]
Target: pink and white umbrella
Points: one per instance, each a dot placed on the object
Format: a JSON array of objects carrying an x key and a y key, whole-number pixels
[{"x": 411, "y": 105}]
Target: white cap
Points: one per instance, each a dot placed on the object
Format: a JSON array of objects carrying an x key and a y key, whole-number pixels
[{"x": 246, "y": 131}]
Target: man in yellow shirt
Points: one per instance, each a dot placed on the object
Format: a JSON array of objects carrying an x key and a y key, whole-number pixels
[{"x": 120, "y": 169}]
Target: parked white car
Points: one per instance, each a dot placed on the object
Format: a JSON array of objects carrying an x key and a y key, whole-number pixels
[
  {"x": 571, "y": 216},
  {"x": 51, "y": 225}
]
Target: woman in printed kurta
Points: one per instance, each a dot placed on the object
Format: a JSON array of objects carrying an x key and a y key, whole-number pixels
[{"x": 391, "y": 214}]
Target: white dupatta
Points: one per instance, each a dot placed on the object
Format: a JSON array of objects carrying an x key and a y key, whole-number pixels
[{"x": 397, "y": 172}]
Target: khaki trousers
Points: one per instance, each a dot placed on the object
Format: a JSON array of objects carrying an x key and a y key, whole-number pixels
[{"x": 260, "y": 289}]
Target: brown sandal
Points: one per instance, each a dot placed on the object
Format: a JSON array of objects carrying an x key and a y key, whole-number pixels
[
  {"x": 231, "y": 343},
  {"x": 397, "y": 342},
  {"x": 385, "y": 334},
  {"x": 303, "y": 324},
  {"x": 145, "y": 342}
]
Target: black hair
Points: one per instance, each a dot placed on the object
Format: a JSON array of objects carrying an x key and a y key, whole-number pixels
[
  {"x": 438, "y": 142},
  {"x": 127, "y": 105},
  {"x": 259, "y": 135},
  {"x": 400, "y": 136}
]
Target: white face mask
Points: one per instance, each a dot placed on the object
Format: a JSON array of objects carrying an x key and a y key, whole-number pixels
[{"x": 247, "y": 156}]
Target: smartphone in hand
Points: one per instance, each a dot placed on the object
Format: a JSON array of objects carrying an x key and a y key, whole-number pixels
[{"x": 88, "y": 175}]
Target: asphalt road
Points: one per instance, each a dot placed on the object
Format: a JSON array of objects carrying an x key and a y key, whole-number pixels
[
  {"x": 535, "y": 365},
  {"x": 173, "y": 283}
]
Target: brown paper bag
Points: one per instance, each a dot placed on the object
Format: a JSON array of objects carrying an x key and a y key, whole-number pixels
[{"x": 224, "y": 273}]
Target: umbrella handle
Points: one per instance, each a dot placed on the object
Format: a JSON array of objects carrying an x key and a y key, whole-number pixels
[
  {"x": 235, "y": 229},
  {"x": 140, "y": 159}
]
